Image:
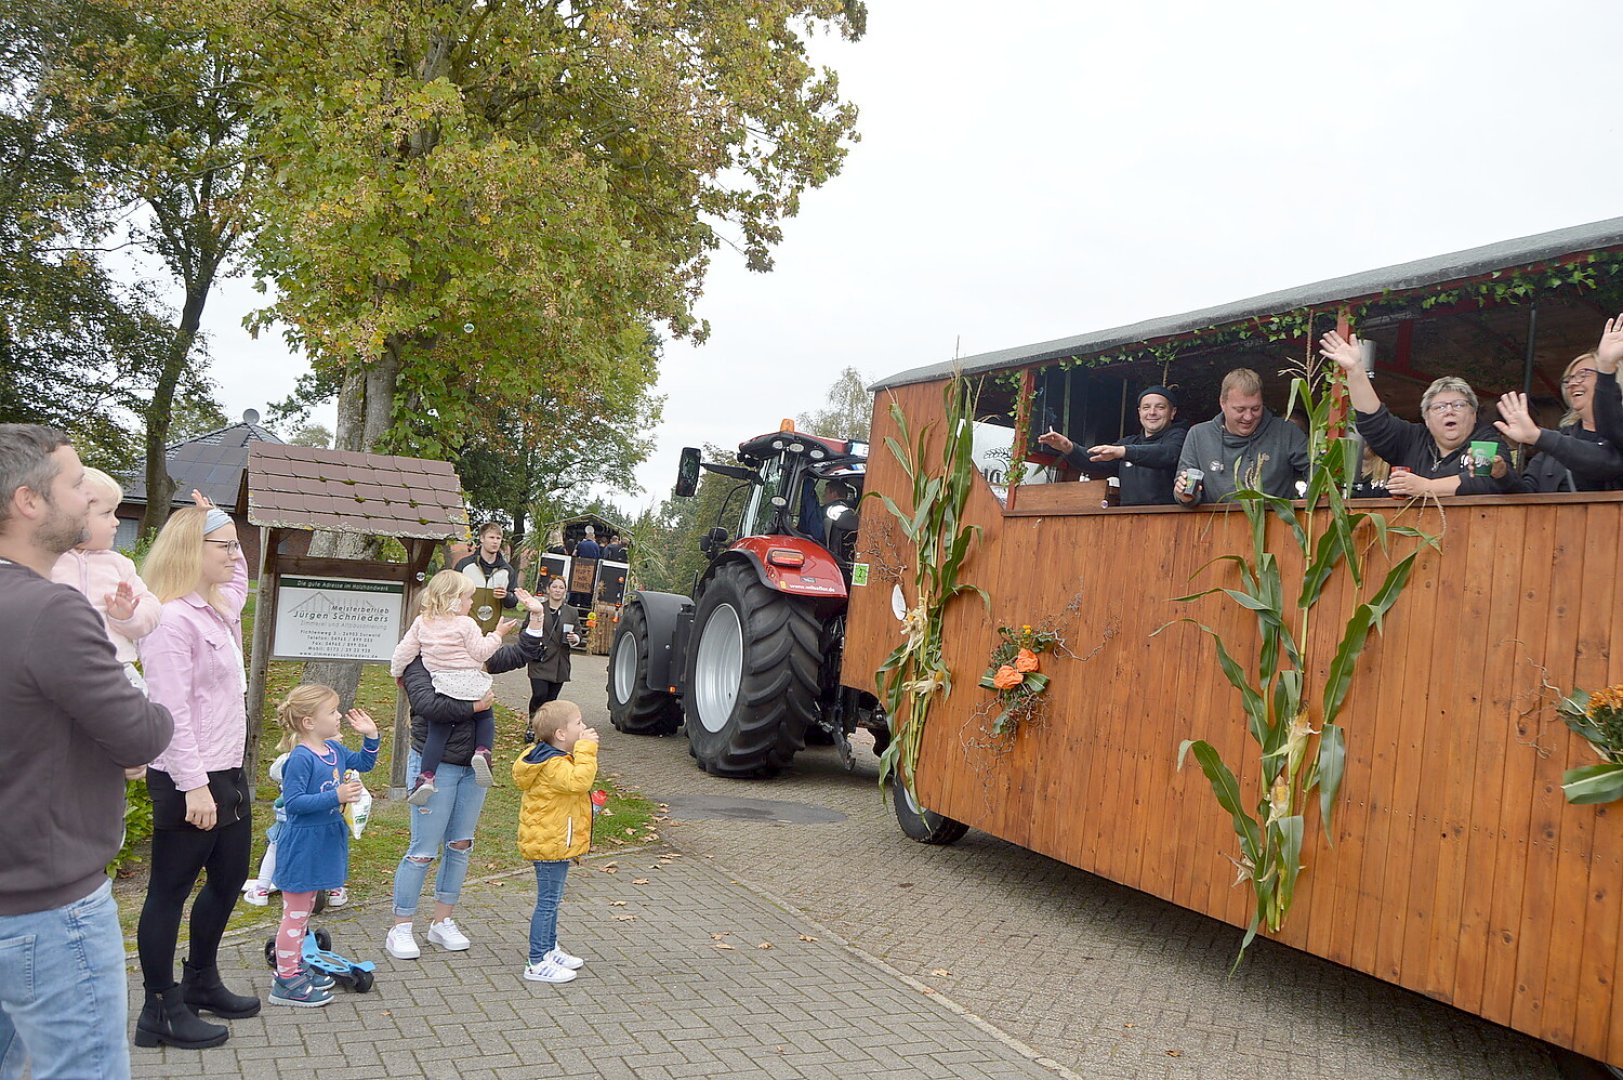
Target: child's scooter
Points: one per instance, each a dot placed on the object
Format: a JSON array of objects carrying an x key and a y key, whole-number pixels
[{"x": 318, "y": 956}]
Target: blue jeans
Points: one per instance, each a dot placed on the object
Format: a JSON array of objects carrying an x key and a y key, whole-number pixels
[
  {"x": 64, "y": 1000},
  {"x": 549, "y": 893},
  {"x": 450, "y": 816}
]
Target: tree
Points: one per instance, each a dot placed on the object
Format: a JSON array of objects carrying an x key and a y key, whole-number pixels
[
  {"x": 71, "y": 339},
  {"x": 196, "y": 413},
  {"x": 311, "y": 435},
  {"x": 665, "y": 543},
  {"x": 847, "y": 412},
  {"x": 164, "y": 106}
]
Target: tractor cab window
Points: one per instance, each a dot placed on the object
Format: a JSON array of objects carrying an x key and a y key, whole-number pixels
[{"x": 758, "y": 512}]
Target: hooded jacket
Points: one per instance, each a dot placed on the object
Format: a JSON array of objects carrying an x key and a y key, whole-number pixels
[
  {"x": 97, "y": 573},
  {"x": 1148, "y": 470},
  {"x": 555, "y": 817},
  {"x": 1278, "y": 446}
]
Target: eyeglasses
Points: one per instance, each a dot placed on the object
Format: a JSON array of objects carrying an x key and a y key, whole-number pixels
[
  {"x": 232, "y": 546},
  {"x": 1577, "y": 376},
  {"x": 1437, "y": 408}
]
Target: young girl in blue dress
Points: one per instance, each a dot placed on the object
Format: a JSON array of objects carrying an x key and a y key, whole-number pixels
[{"x": 313, "y": 849}]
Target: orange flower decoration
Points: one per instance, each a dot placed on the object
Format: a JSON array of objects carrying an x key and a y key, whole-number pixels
[
  {"x": 1007, "y": 678},
  {"x": 1026, "y": 661}
]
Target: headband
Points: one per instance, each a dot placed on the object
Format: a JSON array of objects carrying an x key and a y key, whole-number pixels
[{"x": 217, "y": 519}]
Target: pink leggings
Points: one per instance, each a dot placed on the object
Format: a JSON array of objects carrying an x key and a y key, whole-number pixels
[{"x": 296, "y": 908}]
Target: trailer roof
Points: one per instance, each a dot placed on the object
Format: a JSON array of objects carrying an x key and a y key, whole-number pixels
[{"x": 1439, "y": 269}]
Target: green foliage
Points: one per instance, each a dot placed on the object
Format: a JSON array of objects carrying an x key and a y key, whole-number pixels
[
  {"x": 941, "y": 541},
  {"x": 665, "y": 555},
  {"x": 1598, "y": 718},
  {"x": 847, "y": 411},
  {"x": 137, "y": 828},
  {"x": 1296, "y": 759},
  {"x": 1016, "y": 663}
]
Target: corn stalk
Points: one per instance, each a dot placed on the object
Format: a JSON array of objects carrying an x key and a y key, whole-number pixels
[
  {"x": 915, "y": 674},
  {"x": 1297, "y": 760}
]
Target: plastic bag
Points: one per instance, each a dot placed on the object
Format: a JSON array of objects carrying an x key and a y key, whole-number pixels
[{"x": 357, "y": 812}]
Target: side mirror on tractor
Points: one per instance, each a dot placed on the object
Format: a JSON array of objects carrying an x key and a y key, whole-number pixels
[
  {"x": 714, "y": 540},
  {"x": 687, "y": 473}
]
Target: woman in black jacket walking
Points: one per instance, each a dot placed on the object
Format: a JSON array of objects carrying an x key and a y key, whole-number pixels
[{"x": 560, "y": 626}]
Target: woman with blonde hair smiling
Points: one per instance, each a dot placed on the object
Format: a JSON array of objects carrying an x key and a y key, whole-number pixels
[{"x": 200, "y": 798}]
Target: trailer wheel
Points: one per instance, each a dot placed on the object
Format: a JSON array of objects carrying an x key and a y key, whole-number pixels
[
  {"x": 753, "y": 689},
  {"x": 634, "y": 707},
  {"x": 925, "y": 826}
]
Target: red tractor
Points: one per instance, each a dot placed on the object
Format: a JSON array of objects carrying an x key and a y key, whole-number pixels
[{"x": 750, "y": 665}]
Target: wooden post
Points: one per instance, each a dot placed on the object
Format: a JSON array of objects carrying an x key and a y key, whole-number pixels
[{"x": 259, "y": 653}]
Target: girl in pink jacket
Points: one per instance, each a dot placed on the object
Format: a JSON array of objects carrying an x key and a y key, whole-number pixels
[
  {"x": 128, "y": 608},
  {"x": 454, "y": 651}
]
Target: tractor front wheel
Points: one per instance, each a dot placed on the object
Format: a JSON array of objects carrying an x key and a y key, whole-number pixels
[
  {"x": 752, "y": 689},
  {"x": 634, "y": 707}
]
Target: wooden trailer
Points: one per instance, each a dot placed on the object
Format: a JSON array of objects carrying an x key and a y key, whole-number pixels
[{"x": 1458, "y": 868}]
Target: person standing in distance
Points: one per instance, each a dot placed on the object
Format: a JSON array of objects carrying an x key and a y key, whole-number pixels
[
  {"x": 488, "y": 568},
  {"x": 71, "y": 723},
  {"x": 1147, "y": 463}
]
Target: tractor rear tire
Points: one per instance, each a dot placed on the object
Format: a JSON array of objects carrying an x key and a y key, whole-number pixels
[
  {"x": 635, "y": 707},
  {"x": 925, "y": 826},
  {"x": 752, "y": 686}
]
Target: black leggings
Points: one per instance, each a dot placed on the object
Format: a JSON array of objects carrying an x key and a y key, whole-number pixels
[
  {"x": 177, "y": 857},
  {"x": 484, "y": 735},
  {"x": 541, "y": 692}
]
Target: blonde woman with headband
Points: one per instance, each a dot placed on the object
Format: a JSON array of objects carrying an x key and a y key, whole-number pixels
[{"x": 201, "y": 800}]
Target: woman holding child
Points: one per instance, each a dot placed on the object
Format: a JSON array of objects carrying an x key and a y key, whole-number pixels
[
  {"x": 443, "y": 826},
  {"x": 201, "y": 801}
]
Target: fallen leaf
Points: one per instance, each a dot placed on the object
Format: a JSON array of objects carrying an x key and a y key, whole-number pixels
[
  {"x": 807, "y": 937},
  {"x": 610, "y": 868},
  {"x": 622, "y": 903},
  {"x": 1174, "y": 1053},
  {"x": 1129, "y": 1025},
  {"x": 904, "y": 884},
  {"x": 639, "y": 881},
  {"x": 764, "y": 945},
  {"x": 941, "y": 973},
  {"x": 631, "y": 832},
  {"x": 391, "y": 877},
  {"x": 625, "y": 918},
  {"x": 722, "y": 945},
  {"x": 929, "y": 990},
  {"x": 721, "y": 934}
]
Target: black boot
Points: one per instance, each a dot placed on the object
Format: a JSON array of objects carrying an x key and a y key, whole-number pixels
[
  {"x": 166, "y": 1018},
  {"x": 202, "y": 989}
]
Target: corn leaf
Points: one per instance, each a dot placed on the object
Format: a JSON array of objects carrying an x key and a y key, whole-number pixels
[
  {"x": 1227, "y": 790},
  {"x": 1328, "y": 771}
]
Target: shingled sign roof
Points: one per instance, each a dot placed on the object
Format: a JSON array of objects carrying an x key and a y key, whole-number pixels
[{"x": 304, "y": 487}]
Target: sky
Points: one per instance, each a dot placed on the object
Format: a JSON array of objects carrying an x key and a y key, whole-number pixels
[{"x": 1034, "y": 170}]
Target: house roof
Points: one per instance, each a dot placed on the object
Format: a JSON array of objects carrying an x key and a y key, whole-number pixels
[
  {"x": 308, "y": 487},
  {"x": 211, "y": 463},
  {"x": 1422, "y": 273}
]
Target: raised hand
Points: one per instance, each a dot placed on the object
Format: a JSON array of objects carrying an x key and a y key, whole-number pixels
[
  {"x": 1610, "y": 349},
  {"x": 1056, "y": 442},
  {"x": 201, "y": 500},
  {"x": 505, "y": 627},
  {"x": 362, "y": 722},
  {"x": 120, "y": 602},
  {"x": 1517, "y": 425},
  {"x": 530, "y": 601},
  {"x": 1343, "y": 352}
]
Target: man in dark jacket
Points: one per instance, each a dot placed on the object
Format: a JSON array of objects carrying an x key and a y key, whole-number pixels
[
  {"x": 1243, "y": 443},
  {"x": 71, "y": 723},
  {"x": 1146, "y": 462},
  {"x": 488, "y": 568}
]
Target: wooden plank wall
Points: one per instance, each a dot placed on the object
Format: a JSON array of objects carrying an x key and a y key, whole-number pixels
[{"x": 1459, "y": 870}]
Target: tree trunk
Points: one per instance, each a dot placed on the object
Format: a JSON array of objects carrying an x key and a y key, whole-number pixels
[{"x": 160, "y": 410}]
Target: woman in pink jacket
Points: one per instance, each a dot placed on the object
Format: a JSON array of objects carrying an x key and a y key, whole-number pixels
[{"x": 200, "y": 798}]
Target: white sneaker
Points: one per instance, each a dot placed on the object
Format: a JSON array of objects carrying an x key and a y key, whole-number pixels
[
  {"x": 336, "y": 897},
  {"x": 447, "y": 936},
  {"x": 402, "y": 942},
  {"x": 544, "y": 970},
  {"x": 256, "y": 894},
  {"x": 563, "y": 959}
]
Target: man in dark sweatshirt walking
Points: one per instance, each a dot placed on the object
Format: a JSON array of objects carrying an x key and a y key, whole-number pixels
[
  {"x": 70, "y": 723},
  {"x": 1244, "y": 442}
]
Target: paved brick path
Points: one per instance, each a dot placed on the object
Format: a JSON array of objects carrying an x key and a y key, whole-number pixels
[{"x": 888, "y": 958}]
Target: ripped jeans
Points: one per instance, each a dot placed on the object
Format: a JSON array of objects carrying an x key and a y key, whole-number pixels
[{"x": 449, "y": 817}]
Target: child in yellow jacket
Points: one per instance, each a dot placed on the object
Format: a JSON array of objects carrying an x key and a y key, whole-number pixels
[{"x": 554, "y": 824}]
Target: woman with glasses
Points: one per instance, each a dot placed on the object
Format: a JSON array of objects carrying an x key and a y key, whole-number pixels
[
  {"x": 1576, "y": 458},
  {"x": 200, "y": 798},
  {"x": 1429, "y": 458}
]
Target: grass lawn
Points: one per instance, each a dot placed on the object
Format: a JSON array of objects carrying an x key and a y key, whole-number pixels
[{"x": 627, "y": 819}]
